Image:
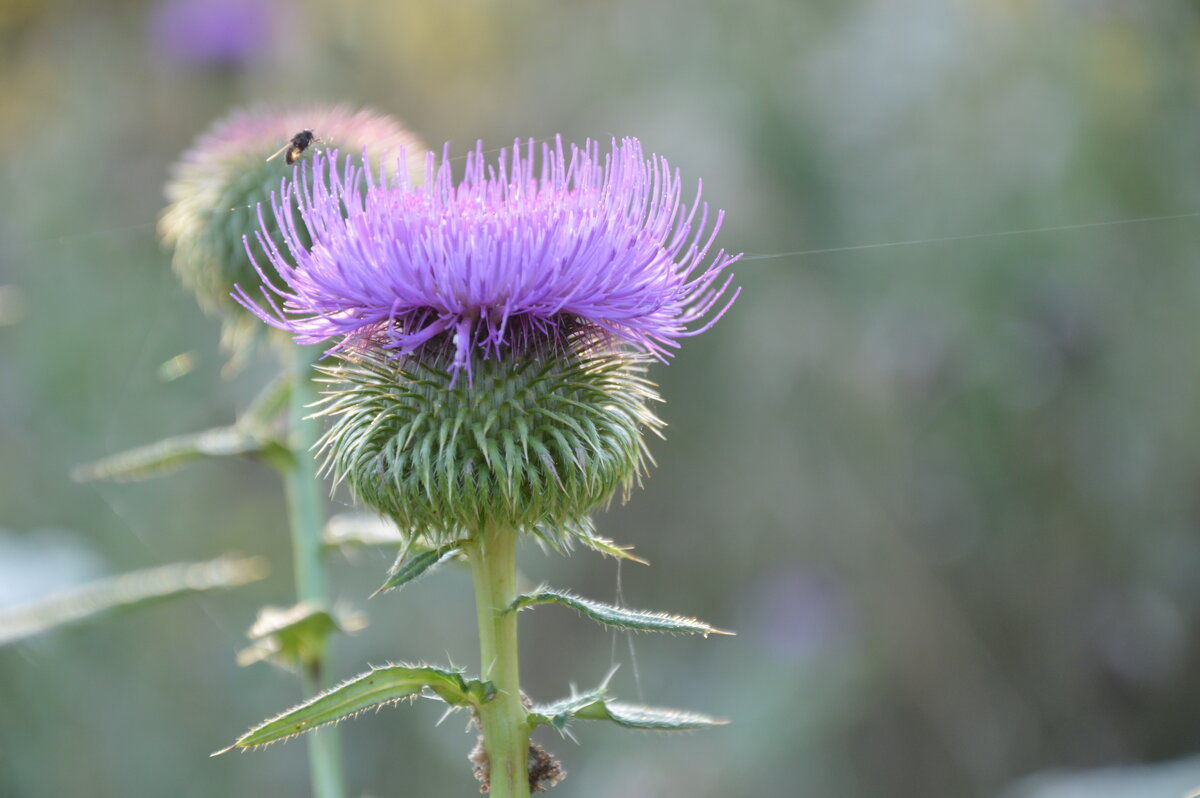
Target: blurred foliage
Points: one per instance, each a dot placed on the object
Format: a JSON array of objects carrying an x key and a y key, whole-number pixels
[
  {"x": 126, "y": 592},
  {"x": 945, "y": 492}
]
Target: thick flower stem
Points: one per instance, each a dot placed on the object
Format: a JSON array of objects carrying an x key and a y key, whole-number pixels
[
  {"x": 504, "y": 719},
  {"x": 308, "y": 557}
]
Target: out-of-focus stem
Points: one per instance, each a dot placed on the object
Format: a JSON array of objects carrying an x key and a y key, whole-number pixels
[
  {"x": 504, "y": 719},
  {"x": 305, "y": 516}
]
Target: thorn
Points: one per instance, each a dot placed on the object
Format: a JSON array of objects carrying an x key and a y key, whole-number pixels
[
  {"x": 223, "y": 751},
  {"x": 612, "y": 672}
]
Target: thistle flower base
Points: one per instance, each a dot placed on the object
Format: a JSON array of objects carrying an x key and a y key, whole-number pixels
[{"x": 529, "y": 443}]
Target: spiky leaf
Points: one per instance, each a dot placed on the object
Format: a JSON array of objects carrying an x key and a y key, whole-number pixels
[
  {"x": 128, "y": 591},
  {"x": 375, "y": 688},
  {"x": 170, "y": 454},
  {"x": 586, "y": 535},
  {"x": 416, "y": 565},
  {"x": 561, "y": 712},
  {"x": 594, "y": 706},
  {"x": 618, "y": 617},
  {"x": 637, "y": 716}
]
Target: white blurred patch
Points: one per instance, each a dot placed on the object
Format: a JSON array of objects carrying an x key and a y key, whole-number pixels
[
  {"x": 179, "y": 366},
  {"x": 36, "y": 565},
  {"x": 1164, "y": 780}
]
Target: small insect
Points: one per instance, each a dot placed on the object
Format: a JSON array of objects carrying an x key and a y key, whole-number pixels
[{"x": 296, "y": 147}]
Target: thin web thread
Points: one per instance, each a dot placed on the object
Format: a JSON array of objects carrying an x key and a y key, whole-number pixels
[
  {"x": 633, "y": 661},
  {"x": 798, "y": 252},
  {"x": 772, "y": 255},
  {"x": 117, "y": 503},
  {"x": 970, "y": 237}
]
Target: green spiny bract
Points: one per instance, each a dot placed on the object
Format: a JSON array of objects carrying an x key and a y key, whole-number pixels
[{"x": 531, "y": 442}]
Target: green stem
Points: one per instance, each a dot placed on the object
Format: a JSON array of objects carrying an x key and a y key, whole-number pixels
[
  {"x": 305, "y": 514},
  {"x": 504, "y": 719}
]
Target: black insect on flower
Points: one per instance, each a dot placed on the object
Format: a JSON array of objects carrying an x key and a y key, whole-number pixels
[{"x": 296, "y": 146}]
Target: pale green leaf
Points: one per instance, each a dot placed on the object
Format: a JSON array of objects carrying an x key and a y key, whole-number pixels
[
  {"x": 561, "y": 712},
  {"x": 376, "y": 688},
  {"x": 619, "y": 617},
  {"x": 594, "y": 706},
  {"x": 127, "y": 591},
  {"x": 292, "y": 636},
  {"x": 347, "y": 530},
  {"x": 637, "y": 716},
  {"x": 416, "y": 565},
  {"x": 170, "y": 454}
]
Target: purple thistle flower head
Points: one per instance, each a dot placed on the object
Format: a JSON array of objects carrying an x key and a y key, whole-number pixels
[
  {"x": 212, "y": 32},
  {"x": 516, "y": 253}
]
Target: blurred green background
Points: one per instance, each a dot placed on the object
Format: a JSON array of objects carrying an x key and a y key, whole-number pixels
[{"x": 947, "y": 492}]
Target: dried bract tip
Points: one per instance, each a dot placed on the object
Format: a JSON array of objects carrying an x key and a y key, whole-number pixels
[{"x": 544, "y": 770}]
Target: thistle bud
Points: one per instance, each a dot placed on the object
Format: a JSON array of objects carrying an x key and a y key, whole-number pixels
[
  {"x": 533, "y": 442},
  {"x": 217, "y": 186}
]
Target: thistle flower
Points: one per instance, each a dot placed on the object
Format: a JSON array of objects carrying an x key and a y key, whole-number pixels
[
  {"x": 509, "y": 256},
  {"x": 218, "y": 184},
  {"x": 549, "y": 285}
]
